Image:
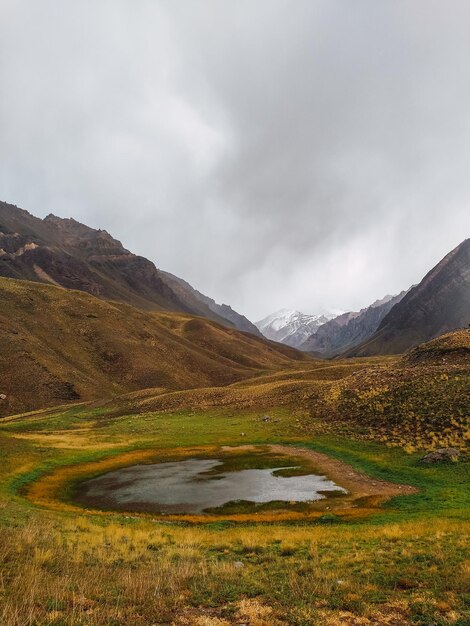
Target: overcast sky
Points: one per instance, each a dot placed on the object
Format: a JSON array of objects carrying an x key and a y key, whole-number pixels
[{"x": 300, "y": 154}]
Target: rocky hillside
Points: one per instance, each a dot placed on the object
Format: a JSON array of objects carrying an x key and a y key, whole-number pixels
[
  {"x": 438, "y": 304},
  {"x": 291, "y": 327},
  {"x": 69, "y": 254},
  {"x": 349, "y": 329},
  {"x": 60, "y": 346}
]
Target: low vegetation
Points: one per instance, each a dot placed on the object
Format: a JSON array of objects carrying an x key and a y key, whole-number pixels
[
  {"x": 398, "y": 560},
  {"x": 389, "y": 566},
  {"x": 416, "y": 408},
  {"x": 80, "y": 571}
]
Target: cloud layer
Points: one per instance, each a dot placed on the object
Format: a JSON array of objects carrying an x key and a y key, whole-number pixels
[{"x": 272, "y": 153}]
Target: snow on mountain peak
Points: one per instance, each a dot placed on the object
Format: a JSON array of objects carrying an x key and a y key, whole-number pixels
[{"x": 292, "y": 327}]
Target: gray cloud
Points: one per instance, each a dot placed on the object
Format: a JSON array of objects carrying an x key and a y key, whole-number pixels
[{"x": 272, "y": 153}]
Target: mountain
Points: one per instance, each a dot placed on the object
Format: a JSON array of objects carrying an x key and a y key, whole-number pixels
[
  {"x": 66, "y": 253},
  {"x": 349, "y": 329},
  {"x": 224, "y": 311},
  {"x": 438, "y": 304},
  {"x": 291, "y": 327},
  {"x": 60, "y": 345}
]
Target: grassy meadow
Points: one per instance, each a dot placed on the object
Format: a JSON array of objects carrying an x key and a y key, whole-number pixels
[{"x": 405, "y": 562}]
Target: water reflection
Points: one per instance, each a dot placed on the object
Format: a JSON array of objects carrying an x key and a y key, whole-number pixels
[{"x": 190, "y": 486}]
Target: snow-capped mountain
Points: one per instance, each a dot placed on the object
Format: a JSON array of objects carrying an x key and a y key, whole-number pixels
[{"x": 292, "y": 327}]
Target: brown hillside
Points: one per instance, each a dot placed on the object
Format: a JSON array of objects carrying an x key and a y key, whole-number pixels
[
  {"x": 416, "y": 405},
  {"x": 60, "y": 345}
]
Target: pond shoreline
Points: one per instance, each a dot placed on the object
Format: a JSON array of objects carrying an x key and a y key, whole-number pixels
[
  {"x": 365, "y": 494},
  {"x": 358, "y": 483}
]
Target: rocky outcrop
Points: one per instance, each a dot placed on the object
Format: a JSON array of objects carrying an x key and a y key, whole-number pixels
[{"x": 443, "y": 455}]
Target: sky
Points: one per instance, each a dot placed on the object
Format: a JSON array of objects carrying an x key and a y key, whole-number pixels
[{"x": 275, "y": 154}]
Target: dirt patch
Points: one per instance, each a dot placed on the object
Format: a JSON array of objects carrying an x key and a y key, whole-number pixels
[
  {"x": 355, "y": 482},
  {"x": 246, "y": 612}
]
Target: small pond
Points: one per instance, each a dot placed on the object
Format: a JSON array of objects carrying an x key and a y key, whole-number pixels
[{"x": 201, "y": 485}]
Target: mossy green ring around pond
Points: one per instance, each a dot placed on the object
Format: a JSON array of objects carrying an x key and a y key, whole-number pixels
[{"x": 58, "y": 488}]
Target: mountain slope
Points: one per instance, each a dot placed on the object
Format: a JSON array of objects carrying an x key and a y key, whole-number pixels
[
  {"x": 438, "y": 304},
  {"x": 291, "y": 327},
  {"x": 224, "y": 311},
  {"x": 61, "y": 345},
  {"x": 66, "y": 253},
  {"x": 349, "y": 329}
]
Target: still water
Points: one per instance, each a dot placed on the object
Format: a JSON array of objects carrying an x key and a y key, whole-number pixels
[{"x": 195, "y": 485}]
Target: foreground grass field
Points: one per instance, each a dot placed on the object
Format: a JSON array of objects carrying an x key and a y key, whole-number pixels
[{"x": 404, "y": 563}]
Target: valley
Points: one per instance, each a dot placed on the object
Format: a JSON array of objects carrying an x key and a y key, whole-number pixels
[
  {"x": 260, "y": 564},
  {"x": 164, "y": 463},
  {"x": 234, "y": 313}
]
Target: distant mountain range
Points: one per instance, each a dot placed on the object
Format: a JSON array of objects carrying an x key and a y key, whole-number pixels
[
  {"x": 439, "y": 304},
  {"x": 66, "y": 253},
  {"x": 349, "y": 329},
  {"x": 326, "y": 335},
  {"x": 291, "y": 327}
]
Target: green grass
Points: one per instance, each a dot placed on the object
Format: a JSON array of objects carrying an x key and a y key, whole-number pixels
[
  {"x": 405, "y": 564},
  {"x": 443, "y": 487}
]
